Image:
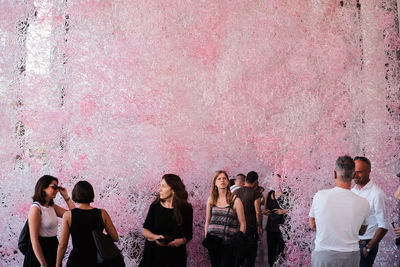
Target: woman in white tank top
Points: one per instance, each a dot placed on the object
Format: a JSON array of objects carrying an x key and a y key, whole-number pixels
[{"x": 43, "y": 222}]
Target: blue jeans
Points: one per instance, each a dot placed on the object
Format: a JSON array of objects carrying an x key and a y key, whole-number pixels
[
  {"x": 369, "y": 260},
  {"x": 252, "y": 239}
]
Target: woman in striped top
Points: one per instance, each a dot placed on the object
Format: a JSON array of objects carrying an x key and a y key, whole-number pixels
[{"x": 224, "y": 217}]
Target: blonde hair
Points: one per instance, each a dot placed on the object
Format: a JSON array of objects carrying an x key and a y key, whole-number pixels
[{"x": 214, "y": 190}]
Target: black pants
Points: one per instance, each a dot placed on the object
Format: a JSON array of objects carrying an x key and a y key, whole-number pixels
[
  {"x": 222, "y": 257},
  {"x": 252, "y": 247},
  {"x": 276, "y": 245},
  {"x": 49, "y": 247}
]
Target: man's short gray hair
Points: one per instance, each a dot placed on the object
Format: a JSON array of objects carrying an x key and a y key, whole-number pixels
[
  {"x": 345, "y": 168},
  {"x": 241, "y": 177}
]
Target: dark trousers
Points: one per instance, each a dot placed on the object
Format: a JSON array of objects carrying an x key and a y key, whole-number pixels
[
  {"x": 252, "y": 245},
  {"x": 276, "y": 245},
  {"x": 222, "y": 257},
  {"x": 369, "y": 260},
  {"x": 49, "y": 247}
]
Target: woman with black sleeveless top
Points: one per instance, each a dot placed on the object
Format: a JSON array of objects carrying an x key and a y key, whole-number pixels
[
  {"x": 80, "y": 223},
  {"x": 275, "y": 202}
]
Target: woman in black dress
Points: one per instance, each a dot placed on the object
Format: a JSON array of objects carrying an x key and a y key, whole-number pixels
[
  {"x": 168, "y": 225},
  {"x": 80, "y": 223}
]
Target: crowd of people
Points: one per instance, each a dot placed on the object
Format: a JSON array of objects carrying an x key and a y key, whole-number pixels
[{"x": 349, "y": 222}]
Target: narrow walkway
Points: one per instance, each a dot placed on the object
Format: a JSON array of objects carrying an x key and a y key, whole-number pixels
[{"x": 262, "y": 253}]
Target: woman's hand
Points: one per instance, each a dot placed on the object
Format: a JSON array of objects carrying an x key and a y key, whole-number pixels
[
  {"x": 280, "y": 211},
  {"x": 267, "y": 212},
  {"x": 397, "y": 231},
  {"x": 177, "y": 242},
  {"x": 64, "y": 193},
  {"x": 155, "y": 237}
]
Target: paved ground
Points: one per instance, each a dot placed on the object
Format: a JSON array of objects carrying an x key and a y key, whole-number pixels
[{"x": 262, "y": 254}]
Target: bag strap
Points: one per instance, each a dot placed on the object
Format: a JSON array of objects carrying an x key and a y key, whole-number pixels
[
  {"x": 226, "y": 219},
  {"x": 227, "y": 214},
  {"x": 101, "y": 223},
  {"x": 233, "y": 202}
]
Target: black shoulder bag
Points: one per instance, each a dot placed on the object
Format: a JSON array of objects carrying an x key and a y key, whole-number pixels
[
  {"x": 24, "y": 237},
  {"x": 107, "y": 251}
]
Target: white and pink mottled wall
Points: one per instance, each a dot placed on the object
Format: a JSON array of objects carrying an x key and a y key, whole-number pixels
[{"x": 120, "y": 92}]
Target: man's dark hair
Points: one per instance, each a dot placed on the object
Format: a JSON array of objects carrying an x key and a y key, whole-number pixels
[
  {"x": 251, "y": 177},
  {"x": 83, "y": 192},
  {"x": 364, "y": 159},
  {"x": 345, "y": 168},
  {"x": 43, "y": 183}
]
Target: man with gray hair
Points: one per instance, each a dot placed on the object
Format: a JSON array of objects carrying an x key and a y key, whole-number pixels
[
  {"x": 338, "y": 216},
  {"x": 239, "y": 182}
]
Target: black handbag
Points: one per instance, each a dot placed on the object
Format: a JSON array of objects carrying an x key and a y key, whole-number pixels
[
  {"x": 24, "y": 238},
  {"x": 212, "y": 242},
  {"x": 107, "y": 251}
]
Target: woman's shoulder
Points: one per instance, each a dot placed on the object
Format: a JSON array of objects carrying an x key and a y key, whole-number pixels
[
  {"x": 155, "y": 205},
  {"x": 36, "y": 204},
  {"x": 187, "y": 208}
]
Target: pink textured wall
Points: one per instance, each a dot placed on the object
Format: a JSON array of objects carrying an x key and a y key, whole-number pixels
[{"x": 121, "y": 92}]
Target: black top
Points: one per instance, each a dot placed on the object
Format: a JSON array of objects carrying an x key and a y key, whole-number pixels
[
  {"x": 275, "y": 203},
  {"x": 161, "y": 221},
  {"x": 84, "y": 252},
  {"x": 248, "y": 195}
]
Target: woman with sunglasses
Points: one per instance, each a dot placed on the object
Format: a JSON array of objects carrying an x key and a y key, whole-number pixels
[{"x": 43, "y": 223}]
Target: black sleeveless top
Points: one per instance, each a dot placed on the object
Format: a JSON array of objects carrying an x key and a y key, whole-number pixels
[
  {"x": 275, "y": 219},
  {"x": 84, "y": 252}
]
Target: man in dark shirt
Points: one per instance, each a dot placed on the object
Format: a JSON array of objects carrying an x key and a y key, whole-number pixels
[{"x": 251, "y": 199}]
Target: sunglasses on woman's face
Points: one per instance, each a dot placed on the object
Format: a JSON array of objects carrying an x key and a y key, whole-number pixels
[{"x": 55, "y": 187}]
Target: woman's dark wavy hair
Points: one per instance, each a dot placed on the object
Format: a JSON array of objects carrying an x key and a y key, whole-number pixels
[
  {"x": 43, "y": 183},
  {"x": 180, "y": 199}
]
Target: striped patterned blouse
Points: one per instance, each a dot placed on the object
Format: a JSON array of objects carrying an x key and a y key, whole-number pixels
[{"x": 220, "y": 216}]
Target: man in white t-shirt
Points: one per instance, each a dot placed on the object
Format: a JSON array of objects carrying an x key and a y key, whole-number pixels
[
  {"x": 338, "y": 216},
  {"x": 378, "y": 217},
  {"x": 239, "y": 182}
]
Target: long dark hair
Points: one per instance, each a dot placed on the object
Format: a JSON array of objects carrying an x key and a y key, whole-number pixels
[
  {"x": 43, "y": 183},
  {"x": 180, "y": 198}
]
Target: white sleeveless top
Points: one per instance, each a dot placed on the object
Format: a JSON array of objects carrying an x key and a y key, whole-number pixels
[{"x": 49, "y": 221}]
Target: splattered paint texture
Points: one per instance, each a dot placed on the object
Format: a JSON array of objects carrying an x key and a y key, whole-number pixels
[{"x": 121, "y": 92}]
